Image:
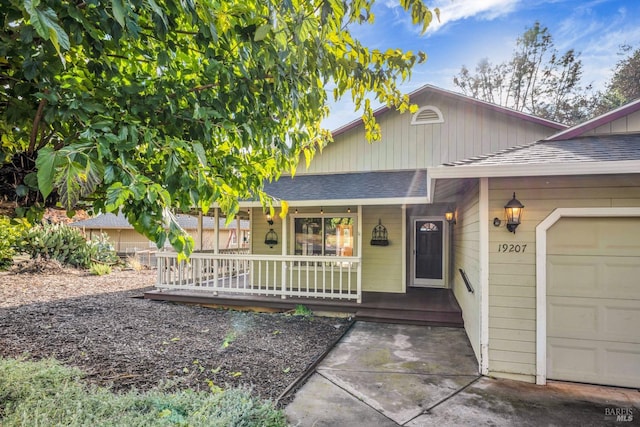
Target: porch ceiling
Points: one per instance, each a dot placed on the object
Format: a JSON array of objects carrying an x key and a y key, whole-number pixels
[
  {"x": 446, "y": 190},
  {"x": 364, "y": 187}
]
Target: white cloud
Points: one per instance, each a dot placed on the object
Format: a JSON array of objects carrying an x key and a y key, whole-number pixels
[{"x": 455, "y": 10}]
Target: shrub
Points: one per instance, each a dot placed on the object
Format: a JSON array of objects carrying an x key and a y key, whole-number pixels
[
  {"x": 135, "y": 264},
  {"x": 10, "y": 232},
  {"x": 47, "y": 393},
  {"x": 98, "y": 269},
  {"x": 101, "y": 250},
  {"x": 59, "y": 242}
]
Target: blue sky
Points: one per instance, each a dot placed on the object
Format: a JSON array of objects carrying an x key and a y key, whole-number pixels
[{"x": 470, "y": 30}]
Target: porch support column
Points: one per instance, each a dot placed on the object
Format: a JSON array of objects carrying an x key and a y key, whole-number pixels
[
  {"x": 199, "y": 231},
  {"x": 404, "y": 247},
  {"x": 216, "y": 225},
  {"x": 216, "y": 247},
  {"x": 284, "y": 253},
  {"x": 359, "y": 269},
  {"x": 484, "y": 275},
  {"x": 238, "y": 232}
]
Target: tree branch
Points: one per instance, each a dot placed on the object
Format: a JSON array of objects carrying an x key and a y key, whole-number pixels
[{"x": 36, "y": 124}]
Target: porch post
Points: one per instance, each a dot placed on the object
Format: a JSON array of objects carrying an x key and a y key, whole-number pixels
[
  {"x": 216, "y": 248},
  {"x": 199, "y": 232},
  {"x": 284, "y": 253},
  {"x": 238, "y": 232},
  {"x": 359, "y": 270},
  {"x": 216, "y": 225}
]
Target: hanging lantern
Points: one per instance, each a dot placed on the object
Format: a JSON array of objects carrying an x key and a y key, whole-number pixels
[
  {"x": 271, "y": 238},
  {"x": 379, "y": 236}
]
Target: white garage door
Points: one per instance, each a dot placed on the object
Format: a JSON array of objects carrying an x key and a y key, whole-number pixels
[{"x": 593, "y": 301}]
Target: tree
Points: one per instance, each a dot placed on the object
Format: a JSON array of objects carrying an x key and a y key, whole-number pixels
[
  {"x": 624, "y": 85},
  {"x": 152, "y": 106},
  {"x": 536, "y": 80}
]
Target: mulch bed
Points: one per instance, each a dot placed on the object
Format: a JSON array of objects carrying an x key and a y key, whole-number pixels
[{"x": 96, "y": 323}]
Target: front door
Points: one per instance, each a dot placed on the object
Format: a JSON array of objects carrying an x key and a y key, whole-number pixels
[{"x": 428, "y": 250}]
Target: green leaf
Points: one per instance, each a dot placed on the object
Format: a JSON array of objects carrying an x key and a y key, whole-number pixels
[
  {"x": 262, "y": 32},
  {"x": 118, "y": 8},
  {"x": 202, "y": 155},
  {"x": 45, "y": 163}
]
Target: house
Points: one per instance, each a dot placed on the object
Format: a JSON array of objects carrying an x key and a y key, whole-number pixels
[
  {"x": 126, "y": 240},
  {"x": 422, "y": 215}
]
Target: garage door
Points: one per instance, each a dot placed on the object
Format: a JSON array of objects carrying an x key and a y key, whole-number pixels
[{"x": 593, "y": 301}]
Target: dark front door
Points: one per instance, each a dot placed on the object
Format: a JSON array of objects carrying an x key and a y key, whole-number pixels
[{"x": 429, "y": 250}]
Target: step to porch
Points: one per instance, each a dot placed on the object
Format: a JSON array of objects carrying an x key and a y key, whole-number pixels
[{"x": 420, "y": 306}]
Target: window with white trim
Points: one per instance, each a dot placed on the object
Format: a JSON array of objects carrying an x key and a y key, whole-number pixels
[
  {"x": 324, "y": 235},
  {"x": 427, "y": 115}
]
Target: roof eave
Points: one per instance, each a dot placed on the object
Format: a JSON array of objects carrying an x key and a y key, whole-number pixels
[
  {"x": 575, "y": 168},
  {"x": 345, "y": 202}
]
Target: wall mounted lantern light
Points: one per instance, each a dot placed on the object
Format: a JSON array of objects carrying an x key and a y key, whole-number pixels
[
  {"x": 450, "y": 216},
  {"x": 271, "y": 238},
  {"x": 513, "y": 212}
]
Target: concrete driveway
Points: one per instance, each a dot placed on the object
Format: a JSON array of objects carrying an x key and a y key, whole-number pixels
[{"x": 404, "y": 375}]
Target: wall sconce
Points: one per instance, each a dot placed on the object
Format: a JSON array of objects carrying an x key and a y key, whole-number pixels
[
  {"x": 271, "y": 238},
  {"x": 513, "y": 212},
  {"x": 450, "y": 216}
]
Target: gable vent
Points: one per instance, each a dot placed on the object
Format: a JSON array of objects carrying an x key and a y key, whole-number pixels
[{"x": 427, "y": 115}]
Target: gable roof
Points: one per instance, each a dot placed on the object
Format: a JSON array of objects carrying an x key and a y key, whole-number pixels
[
  {"x": 450, "y": 94},
  {"x": 389, "y": 187},
  {"x": 119, "y": 221},
  {"x": 597, "y": 121},
  {"x": 569, "y": 152}
]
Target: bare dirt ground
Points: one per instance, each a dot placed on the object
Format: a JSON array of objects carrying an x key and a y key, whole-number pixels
[{"x": 96, "y": 323}]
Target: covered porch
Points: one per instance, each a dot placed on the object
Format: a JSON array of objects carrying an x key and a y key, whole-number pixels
[
  {"x": 323, "y": 253},
  {"x": 421, "y": 306}
]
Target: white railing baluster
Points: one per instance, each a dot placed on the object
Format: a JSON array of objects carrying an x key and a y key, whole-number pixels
[{"x": 316, "y": 276}]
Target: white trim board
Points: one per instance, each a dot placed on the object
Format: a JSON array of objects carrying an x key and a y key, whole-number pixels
[
  {"x": 534, "y": 169},
  {"x": 541, "y": 272},
  {"x": 484, "y": 274}
]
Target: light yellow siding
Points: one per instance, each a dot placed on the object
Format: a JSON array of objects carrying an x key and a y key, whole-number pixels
[
  {"x": 512, "y": 302},
  {"x": 468, "y": 130},
  {"x": 466, "y": 248},
  {"x": 259, "y": 229},
  {"x": 382, "y": 269}
]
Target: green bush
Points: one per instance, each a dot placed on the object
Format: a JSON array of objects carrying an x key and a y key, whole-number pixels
[
  {"x": 101, "y": 250},
  {"x": 47, "y": 393},
  {"x": 67, "y": 245},
  {"x": 98, "y": 269},
  {"x": 57, "y": 241},
  {"x": 10, "y": 232}
]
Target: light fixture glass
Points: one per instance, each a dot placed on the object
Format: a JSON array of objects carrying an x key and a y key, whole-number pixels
[
  {"x": 513, "y": 212},
  {"x": 450, "y": 216}
]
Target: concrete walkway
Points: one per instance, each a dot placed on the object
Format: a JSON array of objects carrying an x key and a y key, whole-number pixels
[{"x": 403, "y": 375}]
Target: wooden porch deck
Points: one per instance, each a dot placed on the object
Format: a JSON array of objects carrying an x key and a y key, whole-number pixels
[{"x": 423, "y": 306}]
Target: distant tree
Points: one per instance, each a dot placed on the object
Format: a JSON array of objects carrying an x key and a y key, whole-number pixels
[
  {"x": 537, "y": 79},
  {"x": 152, "y": 106},
  {"x": 624, "y": 85}
]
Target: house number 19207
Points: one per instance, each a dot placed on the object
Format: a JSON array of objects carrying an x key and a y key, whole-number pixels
[{"x": 511, "y": 248}]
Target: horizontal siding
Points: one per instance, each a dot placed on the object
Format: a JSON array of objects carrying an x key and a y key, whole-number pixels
[
  {"x": 382, "y": 269},
  {"x": 466, "y": 237},
  {"x": 468, "y": 130},
  {"x": 512, "y": 281}
]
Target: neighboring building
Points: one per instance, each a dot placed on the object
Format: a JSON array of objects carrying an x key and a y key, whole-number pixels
[
  {"x": 559, "y": 299},
  {"x": 126, "y": 240}
]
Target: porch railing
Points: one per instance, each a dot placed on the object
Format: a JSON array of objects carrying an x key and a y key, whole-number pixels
[{"x": 284, "y": 276}]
